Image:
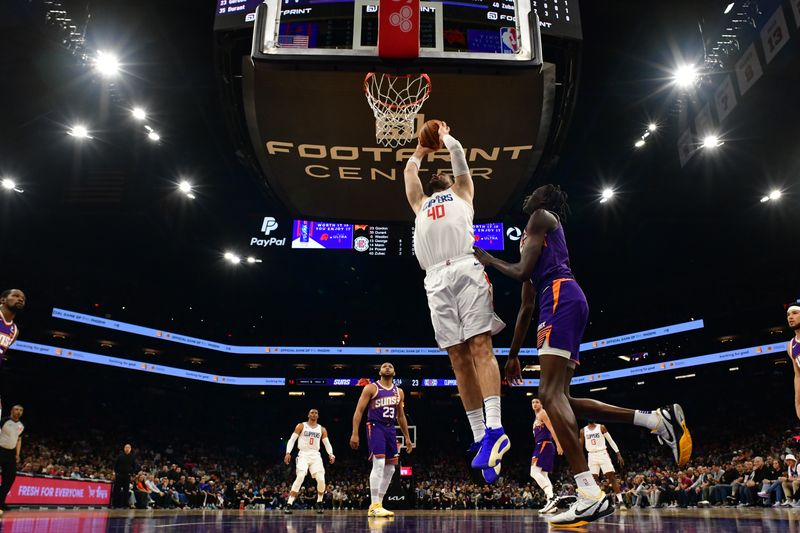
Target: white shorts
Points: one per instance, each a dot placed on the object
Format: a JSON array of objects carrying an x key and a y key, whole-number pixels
[
  {"x": 311, "y": 463},
  {"x": 600, "y": 461},
  {"x": 460, "y": 300}
]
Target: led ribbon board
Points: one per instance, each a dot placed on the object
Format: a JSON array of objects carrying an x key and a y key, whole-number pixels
[{"x": 344, "y": 350}]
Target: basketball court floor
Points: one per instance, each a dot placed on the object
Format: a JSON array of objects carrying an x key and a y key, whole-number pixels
[{"x": 633, "y": 521}]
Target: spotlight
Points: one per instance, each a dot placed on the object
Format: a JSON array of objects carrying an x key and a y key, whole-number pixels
[
  {"x": 185, "y": 187},
  {"x": 652, "y": 127},
  {"x": 153, "y": 136},
  {"x": 711, "y": 141},
  {"x": 106, "y": 64},
  {"x": 8, "y": 184},
  {"x": 685, "y": 76},
  {"x": 139, "y": 113},
  {"x": 639, "y": 143},
  {"x": 728, "y": 9},
  {"x": 228, "y": 256},
  {"x": 236, "y": 259},
  {"x": 775, "y": 195},
  {"x": 79, "y": 131},
  {"x": 764, "y": 199},
  {"x": 606, "y": 195}
]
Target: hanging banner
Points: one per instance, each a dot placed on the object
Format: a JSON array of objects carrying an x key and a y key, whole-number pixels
[
  {"x": 796, "y": 10},
  {"x": 703, "y": 123},
  {"x": 748, "y": 69},
  {"x": 686, "y": 146},
  {"x": 725, "y": 98},
  {"x": 774, "y": 34}
]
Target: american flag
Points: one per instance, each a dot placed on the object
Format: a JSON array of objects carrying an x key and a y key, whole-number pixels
[{"x": 293, "y": 41}]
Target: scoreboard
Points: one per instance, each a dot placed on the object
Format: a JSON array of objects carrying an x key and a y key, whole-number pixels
[
  {"x": 367, "y": 239},
  {"x": 468, "y": 24}
]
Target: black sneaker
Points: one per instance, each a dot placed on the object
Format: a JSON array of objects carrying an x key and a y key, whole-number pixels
[
  {"x": 673, "y": 432},
  {"x": 287, "y": 509},
  {"x": 319, "y": 507}
]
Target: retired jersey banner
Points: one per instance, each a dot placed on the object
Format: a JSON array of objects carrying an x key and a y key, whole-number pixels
[
  {"x": 796, "y": 11},
  {"x": 748, "y": 69},
  {"x": 703, "y": 123},
  {"x": 725, "y": 98},
  {"x": 774, "y": 34},
  {"x": 46, "y": 491}
]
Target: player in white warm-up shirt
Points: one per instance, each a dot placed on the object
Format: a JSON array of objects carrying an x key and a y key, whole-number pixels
[
  {"x": 594, "y": 437},
  {"x": 459, "y": 294},
  {"x": 308, "y": 435}
]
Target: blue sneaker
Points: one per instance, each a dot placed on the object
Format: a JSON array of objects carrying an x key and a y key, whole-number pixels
[
  {"x": 493, "y": 446},
  {"x": 490, "y": 475}
]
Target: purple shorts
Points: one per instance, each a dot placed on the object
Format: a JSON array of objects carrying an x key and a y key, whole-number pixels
[
  {"x": 544, "y": 453},
  {"x": 382, "y": 440},
  {"x": 563, "y": 315}
]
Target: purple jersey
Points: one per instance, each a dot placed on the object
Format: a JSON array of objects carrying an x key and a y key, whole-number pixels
[
  {"x": 8, "y": 334},
  {"x": 794, "y": 350},
  {"x": 541, "y": 433},
  {"x": 384, "y": 405},
  {"x": 553, "y": 263}
]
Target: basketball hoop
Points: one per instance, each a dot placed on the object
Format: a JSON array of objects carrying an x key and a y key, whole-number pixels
[{"x": 395, "y": 101}]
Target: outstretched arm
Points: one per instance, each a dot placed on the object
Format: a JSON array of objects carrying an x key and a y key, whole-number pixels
[
  {"x": 527, "y": 300},
  {"x": 464, "y": 186},
  {"x": 363, "y": 400},
  {"x": 539, "y": 225},
  {"x": 414, "y": 192}
]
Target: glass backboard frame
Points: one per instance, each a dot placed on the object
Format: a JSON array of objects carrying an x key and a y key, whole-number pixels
[{"x": 268, "y": 19}]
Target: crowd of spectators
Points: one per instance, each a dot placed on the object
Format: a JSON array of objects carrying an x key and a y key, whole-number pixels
[{"x": 740, "y": 470}]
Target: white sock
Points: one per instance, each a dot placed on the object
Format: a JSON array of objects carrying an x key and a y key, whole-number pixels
[
  {"x": 588, "y": 486},
  {"x": 492, "y": 406},
  {"x": 543, "y": 480},
  {"x": 647, "y": 419},
  {"x": 388, "y": 473},
  {"x": 290, "y": 501},
  {"x": 376, "y": 479},
  {"x": 476, "y": 423}
]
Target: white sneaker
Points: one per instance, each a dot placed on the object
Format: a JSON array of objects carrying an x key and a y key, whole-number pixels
[{"x": 583, "y": 511}]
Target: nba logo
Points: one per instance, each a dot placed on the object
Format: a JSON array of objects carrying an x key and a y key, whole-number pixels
[{"x": 508, "y": 40}]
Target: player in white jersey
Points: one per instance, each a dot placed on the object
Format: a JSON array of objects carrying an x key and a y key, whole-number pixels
[
  {"x": 594, "y": 437},
  {"x": 459, "y": 295},
  {"x": 308, "y": 436}
]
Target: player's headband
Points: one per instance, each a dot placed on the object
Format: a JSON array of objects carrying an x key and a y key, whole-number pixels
[{"x": 793, "y": 308}]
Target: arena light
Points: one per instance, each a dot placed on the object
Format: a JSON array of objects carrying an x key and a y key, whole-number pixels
[
  {"x": 606, "y": 195},
  {"x": 598, "y": 389},
  {"x": 106, "y": 64},
  {"x": 733, "y": 369},
  {"x": 640, "y": 382},
  {"x": 139, "y": 113},
  {"x": 685, "y": 376},
  {"x": 652, "y": 127},
  {"x": 79, "y": 131},
  {"x": 639, "y": 143},
  {"x": 764, "y": 199},
  {"x": 624, "y": 357},
  {"x": 232, "y": 258},
  {"x": 297, "y": 393},
  {"x": 775, "y": 195},
  {"x": 711, "y": 141},
  {"x": 729, "y": 8},
  {"x": 185, "y": 186},
  {"x": 153, "y": 136},
  {"x": 685, "y": 76},
  {"x": 10, "y": 185},
  {"x": 334, "y": 394},
  {"x": 253, "y": 260}
]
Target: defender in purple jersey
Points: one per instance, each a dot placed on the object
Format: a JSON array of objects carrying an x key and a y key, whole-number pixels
[
  {"x": 12, "y": 302},
  {"x": 544, "y": 269},
  {"x": 793, "y": 349},
  {"x": 385, "y": 403},
  {"x": 545, "y": 446}
]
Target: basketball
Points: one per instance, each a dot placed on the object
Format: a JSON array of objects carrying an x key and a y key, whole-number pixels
[{"x": 429, "y": 135}]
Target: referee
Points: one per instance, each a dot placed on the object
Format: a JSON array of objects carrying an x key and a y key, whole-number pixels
[{"x": 10, "y": 443}]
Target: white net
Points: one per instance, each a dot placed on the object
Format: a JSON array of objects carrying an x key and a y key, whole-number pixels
[{"x": 395, "y": 101}]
